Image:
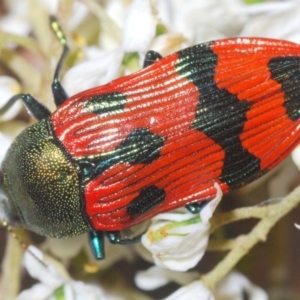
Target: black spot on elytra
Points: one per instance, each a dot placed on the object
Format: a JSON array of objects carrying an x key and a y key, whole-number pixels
[
  {"x": 148, "y": 198},
  {"x": 141, "y": 146},
  {"x": 286, "y": 70},
  {"x": 220, "y": 115},
  {"x": 106, "y": 103}
]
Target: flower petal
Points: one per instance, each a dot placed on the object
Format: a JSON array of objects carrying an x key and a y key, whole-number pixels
[
  {"x": 156, "y": 277},
  {"x": 181, "y": 248},
  {"x": 50, "y": 6},
  {"x": 8, "y": 88},
  {"x": 210, "y": 207},
  {"x": 82, "y": 290},
  {"x": 64, "y": 249},
  {"x": 93, "y": 73},
  {"x": 235, "y": 285},
  {"x": 5, "y": 142},
  {"x": 40, "y": 269},
  {"x": 139, "y": 26},
  {"x": 37, "y": 291},
  {"x": 195, "y": 290},
  {"x": 296, "y": 156},
  {"x": 278, "y": 20}
]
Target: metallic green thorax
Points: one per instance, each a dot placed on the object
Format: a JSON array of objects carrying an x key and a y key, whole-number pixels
[{"x": 43, "y": 184}]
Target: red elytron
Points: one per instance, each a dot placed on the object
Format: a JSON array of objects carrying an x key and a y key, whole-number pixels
[{"x": 225, "y": 111}]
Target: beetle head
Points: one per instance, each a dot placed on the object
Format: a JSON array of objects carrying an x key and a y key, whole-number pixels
[{"x": 42, "y": 185}]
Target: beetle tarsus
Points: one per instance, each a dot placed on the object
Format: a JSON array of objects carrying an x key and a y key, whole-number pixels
[
  {"x": 151, "y": 57},
  {"x": 115, "y": 238},
  {"x": 196, "y": 207}
]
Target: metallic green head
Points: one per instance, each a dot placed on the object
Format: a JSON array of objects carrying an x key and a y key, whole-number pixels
[{"x": 42, "y": 185}]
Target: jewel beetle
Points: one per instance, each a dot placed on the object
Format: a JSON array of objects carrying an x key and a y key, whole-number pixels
[{"x": 225, "y": 112}]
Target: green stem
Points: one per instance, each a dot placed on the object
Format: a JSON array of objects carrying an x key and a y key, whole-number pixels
[
  {"x": 222, "y": 219},
  {"x": 221, "y": 245},
  {"x": 245, "y": 243}
]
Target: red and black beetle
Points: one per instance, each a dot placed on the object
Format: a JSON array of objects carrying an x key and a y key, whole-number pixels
[{"x": 225, "y": 111}]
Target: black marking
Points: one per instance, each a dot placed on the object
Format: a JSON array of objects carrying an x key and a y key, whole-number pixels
[
  {"x": 286, "y": 70},
  {"x": 148, "y": 198},
  {"x": 220, "y": 115},
  {"x": 112, "y": 103},
  {"x": 151, "y": 57},
  {"x": 140, "y": 147}
]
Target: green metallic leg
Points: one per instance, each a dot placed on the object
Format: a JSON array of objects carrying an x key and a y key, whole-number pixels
[
  {"x": 115, "y": 238},
  {"x": 96, "y": 241}
]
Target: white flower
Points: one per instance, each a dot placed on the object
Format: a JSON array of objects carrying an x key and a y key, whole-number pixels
[
  {"x": 235, "y": 285},
  {"x": 55, "y": 281},
  {"x": 184, "y": 239},
  {"x": 199, "y": 21},
  {"x": 8, "y": 88},
  {"x": 93, "y": 72},
  {"x": 139, "y": 26},
  {"x": 195, "y": 290},
  {"x": 108, "y": 65},
  {"x": 5, "y": 143},
  {"x": 296, "y": 156},
  {"x": 15, "y": 21},
  {"x": 156, "y": 277},
  {"x": 275, "y": 20}
]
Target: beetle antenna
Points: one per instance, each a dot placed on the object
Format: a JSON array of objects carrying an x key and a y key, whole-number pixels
[
  {"x": 62, "y": 39},
  {"x": 58, "y": 91},
  {"x": 38, "y": 110}
]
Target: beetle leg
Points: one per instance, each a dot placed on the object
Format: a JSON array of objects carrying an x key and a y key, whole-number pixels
[
  {"x": 115, "y": 238},
  {"x": 35, "y": 108},
  {"x": 96, "y": 241},
  {"x": 151, "y": 57},
  {"x": 195, "y": 207},
  {"x": 59, "y": 93}
]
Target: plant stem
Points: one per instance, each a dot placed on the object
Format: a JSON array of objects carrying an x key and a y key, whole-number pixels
[
  {"x": 244, "y": 243},
  {"x": 11, "y": 264}
]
